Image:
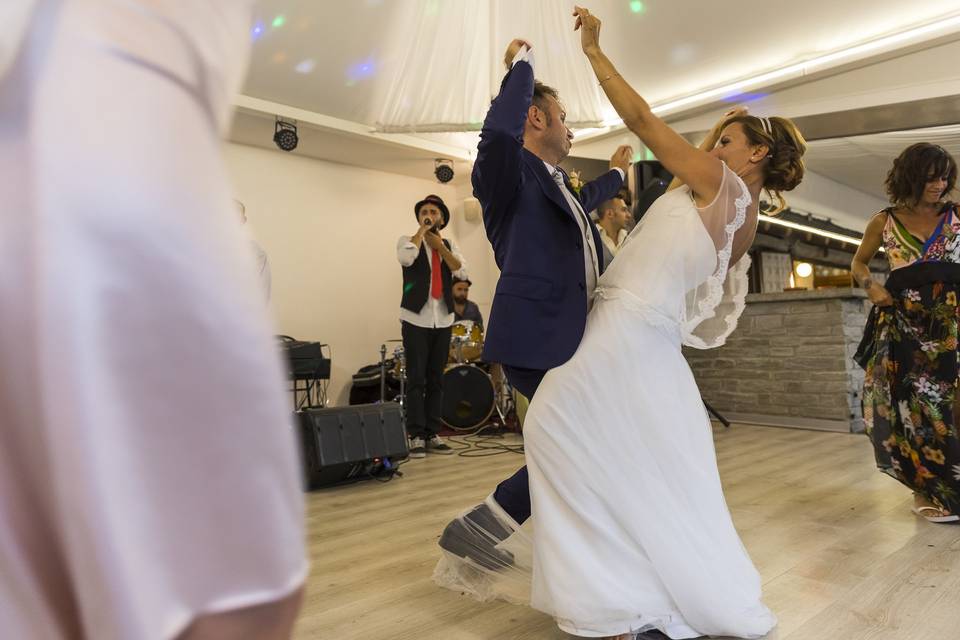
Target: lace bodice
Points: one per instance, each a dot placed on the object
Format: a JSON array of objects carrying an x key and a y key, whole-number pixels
[{"x": 675, "y": 264}]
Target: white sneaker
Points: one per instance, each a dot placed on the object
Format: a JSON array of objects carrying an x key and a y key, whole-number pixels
[
  {"x": 418, "y": 448},
  {"x": 436, "y": 445}
]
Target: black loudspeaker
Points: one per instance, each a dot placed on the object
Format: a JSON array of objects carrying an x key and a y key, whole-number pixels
[
  {"x": 652, "y": 182},
  {"x": 342, "y": 444}
]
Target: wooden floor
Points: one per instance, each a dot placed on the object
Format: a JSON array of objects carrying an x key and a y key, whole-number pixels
[{"x": 842, "y": 557}]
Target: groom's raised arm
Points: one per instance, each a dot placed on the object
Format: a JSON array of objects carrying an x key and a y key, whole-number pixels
[
  {"x": 603, "y": 188},
  {"x": 497, "y": 170}
]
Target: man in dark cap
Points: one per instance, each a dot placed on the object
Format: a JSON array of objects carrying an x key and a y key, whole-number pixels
[{"x": 429, "y": 263}]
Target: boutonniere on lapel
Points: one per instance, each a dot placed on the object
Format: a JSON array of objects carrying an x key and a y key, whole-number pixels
[{"x": 575, "y": 182}]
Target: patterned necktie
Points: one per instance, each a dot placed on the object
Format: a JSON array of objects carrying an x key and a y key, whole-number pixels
[
  {"x": 436, "y": 278},
  {"x": 558, "y": 178}
]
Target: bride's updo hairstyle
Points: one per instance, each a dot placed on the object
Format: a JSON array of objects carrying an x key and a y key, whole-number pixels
[{"x": 784, "y": 169}]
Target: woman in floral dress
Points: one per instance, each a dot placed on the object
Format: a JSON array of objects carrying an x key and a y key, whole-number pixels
[{"x": 911, "y": 407}]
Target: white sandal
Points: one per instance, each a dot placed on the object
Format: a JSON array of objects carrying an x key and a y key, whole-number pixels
[{"x": 940, "y": 514}]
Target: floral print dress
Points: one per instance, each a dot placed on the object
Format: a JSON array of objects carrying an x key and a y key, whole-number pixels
[{"x": 909, "y": 352}]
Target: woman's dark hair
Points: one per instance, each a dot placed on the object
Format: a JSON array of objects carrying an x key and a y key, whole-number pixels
[{"x": 917, "y": 165}]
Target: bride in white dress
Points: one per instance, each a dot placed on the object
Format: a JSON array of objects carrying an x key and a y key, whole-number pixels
[{"x": 631, "y": 531}]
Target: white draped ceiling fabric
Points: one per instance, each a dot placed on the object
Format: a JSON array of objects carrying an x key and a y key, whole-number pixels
[{"x": 447, "y": 63}]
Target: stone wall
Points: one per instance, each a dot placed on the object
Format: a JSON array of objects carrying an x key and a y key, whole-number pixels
[{"x": 790, "y": 361}]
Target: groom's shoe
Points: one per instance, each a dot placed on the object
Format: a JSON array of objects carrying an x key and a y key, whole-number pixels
[{"x": 475, "y": 536}]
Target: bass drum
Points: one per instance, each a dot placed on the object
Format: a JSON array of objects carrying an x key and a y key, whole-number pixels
[{"x": 468, "y": 397}]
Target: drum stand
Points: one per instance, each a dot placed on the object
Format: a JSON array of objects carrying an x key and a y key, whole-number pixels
[
  {"x": 400, "y": 356},
  {"x": 503, "y": 401}
]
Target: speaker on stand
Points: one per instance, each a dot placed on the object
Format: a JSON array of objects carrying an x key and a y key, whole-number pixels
[{"x": 652, "y": 180}]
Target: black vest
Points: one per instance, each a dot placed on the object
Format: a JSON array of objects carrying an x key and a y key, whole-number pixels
[{"x": 416, "y": 281}]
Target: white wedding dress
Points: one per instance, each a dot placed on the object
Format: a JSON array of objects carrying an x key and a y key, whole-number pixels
[{"x": 630, "y": 530}]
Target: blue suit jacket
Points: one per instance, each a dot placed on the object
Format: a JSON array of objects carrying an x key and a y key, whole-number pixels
[{"x": 540, "y": 306}]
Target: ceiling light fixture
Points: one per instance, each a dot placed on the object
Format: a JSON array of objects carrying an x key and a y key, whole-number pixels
[{"x": 813, "y": 230}]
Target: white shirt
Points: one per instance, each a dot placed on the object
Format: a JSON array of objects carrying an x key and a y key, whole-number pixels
[
  {"x": 608, "y": 241},
  {"x": 434, "y": 314},
  {"x": 591, "y": 265}
]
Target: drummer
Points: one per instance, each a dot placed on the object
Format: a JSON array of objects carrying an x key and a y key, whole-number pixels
[{"x": 464, "y": 309}]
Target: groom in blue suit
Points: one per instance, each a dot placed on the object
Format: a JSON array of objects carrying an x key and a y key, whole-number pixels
[{"x": 548, "y": 250}]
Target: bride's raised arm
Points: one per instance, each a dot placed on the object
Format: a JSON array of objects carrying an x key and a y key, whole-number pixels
[
  {"x": 713, "y": 136},
  {"x": 693, "y": 166}
]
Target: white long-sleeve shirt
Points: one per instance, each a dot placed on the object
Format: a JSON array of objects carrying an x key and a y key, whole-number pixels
[{"x": 434, "y": 314}]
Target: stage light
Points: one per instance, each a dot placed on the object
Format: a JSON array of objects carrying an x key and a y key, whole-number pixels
[
  {"x": 443, "y": 170},
  {"x": 804, "y": 269},
  {"x": 285, "y": 135}
]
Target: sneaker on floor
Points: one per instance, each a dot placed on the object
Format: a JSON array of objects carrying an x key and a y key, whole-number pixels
[
  {"x": 418, "y": 448},
  {"x": 436, "y": 445}
]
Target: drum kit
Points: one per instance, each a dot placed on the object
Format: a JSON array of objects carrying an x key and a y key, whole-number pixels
[{"x": 472, "y": 389}]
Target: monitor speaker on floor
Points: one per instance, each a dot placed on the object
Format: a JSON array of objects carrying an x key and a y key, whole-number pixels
[{"x": 344, "y": 444}]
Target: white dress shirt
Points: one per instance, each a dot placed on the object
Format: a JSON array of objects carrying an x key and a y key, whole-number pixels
[
  {"x": 591, "y": 265},
  {"x": 434, "y": 314},
  {"x": 609, "y": 242}
]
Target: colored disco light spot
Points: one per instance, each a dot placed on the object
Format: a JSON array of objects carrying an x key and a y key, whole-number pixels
[
  {"x": 744, "y": 96},
  {"x": 279, "y": 57},
  {"x": 278, "y": 21},
  {"x": 305, "y": 66},
  {"x": 407, "y": 287},
  {"x": 257, "y": 31},
  {"x": 637, "y": 157},
  {"x": 636, "y": 6},
  {"x": 360, "y": 71}
]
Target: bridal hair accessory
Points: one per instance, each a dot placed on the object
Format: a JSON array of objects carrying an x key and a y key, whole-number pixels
[{"x": 767, "y": 127}]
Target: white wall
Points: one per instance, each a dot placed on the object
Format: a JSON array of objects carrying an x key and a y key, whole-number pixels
[
  {"x": 472, "y": 240},
  {"x": 330, "y": 231}
]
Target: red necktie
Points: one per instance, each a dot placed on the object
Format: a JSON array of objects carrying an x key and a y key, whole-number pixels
[{"x": 436, "y": 284}]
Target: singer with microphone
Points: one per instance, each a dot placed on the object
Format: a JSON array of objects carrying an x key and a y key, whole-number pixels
[{"x": 429, "y": 264}]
